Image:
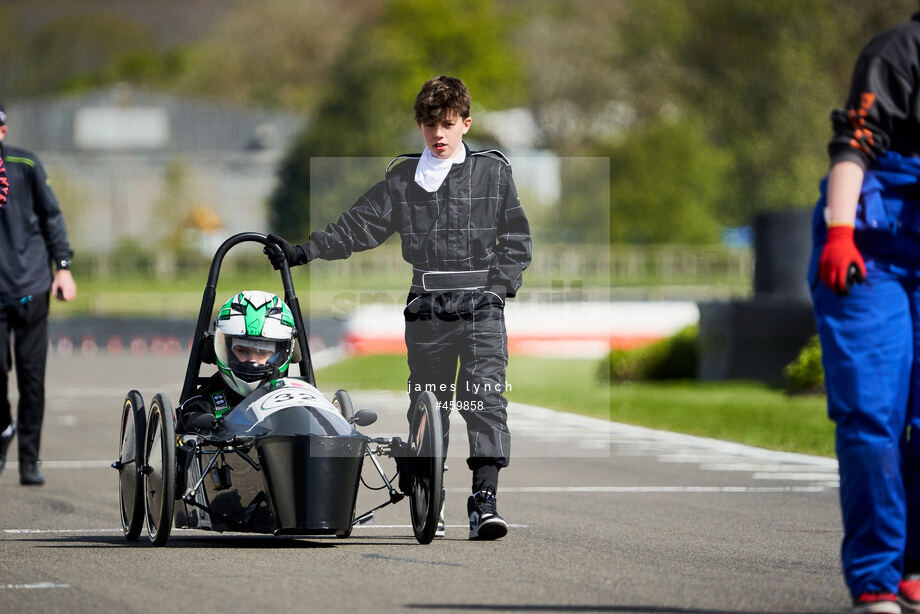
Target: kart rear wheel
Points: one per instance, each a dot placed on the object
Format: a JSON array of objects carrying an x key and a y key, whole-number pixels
[
  {"x": 426, "y": 458},
  {"x": 130, "y": 457},
  {"x": 342, "y": 402},
  {"x": 160, "y": 470}
]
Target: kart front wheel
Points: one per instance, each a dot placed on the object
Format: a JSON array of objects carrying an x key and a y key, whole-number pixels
[
  {"x": 160, "y": 469},
  {"x": 342, "y": 402},
  {"x": 426, "y": 459},
  {"x": 130, "y": 460}
]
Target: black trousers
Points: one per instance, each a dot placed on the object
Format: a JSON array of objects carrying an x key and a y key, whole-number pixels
[
  {"x": 465, "y": 327},
  {"x": 26, "y": 325}
]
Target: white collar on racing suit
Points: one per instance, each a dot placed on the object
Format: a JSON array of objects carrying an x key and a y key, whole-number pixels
[{"x": 431, "y": 171}]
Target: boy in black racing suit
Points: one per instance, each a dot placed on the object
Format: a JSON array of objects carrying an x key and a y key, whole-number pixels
[{"x": 466, "y": 236}]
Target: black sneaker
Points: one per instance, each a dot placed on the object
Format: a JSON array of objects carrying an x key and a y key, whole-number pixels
[
  {"x": 5, "y": 439},
  {"x": 485, "y": 523},
  {"x": 29, "y": 475}
]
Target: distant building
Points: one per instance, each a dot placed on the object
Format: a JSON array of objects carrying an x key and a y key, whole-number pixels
[
  {"x": 536, "y": 171},
  {"x": 141, "y": 165}
]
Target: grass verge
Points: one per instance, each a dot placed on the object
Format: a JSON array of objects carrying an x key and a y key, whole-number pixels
[{"x": 745, "y": 412}]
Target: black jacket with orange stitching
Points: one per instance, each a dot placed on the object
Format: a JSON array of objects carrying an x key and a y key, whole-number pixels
[{"x": 883, "y": 109}]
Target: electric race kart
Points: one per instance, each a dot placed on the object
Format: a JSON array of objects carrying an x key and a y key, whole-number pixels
[{"x": 284, "y": 461}]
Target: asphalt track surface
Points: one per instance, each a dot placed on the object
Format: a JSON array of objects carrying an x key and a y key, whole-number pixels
[{"x": 603, "y": 519}]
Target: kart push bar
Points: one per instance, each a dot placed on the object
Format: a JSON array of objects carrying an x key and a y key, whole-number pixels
[{"x": 207, "y": 307}]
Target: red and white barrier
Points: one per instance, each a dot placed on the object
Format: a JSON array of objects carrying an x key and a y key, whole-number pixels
[
  {"x": 159, "y": 345},
  {"x": 556, "y": 329}
]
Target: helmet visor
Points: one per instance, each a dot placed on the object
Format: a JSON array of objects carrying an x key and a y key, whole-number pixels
[{"x": 252, "y": 359}]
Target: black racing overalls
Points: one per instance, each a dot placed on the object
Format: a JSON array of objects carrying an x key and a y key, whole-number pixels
[{"x": 468, "y": 244}]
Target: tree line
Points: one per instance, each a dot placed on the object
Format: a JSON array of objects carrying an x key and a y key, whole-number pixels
[{"x": 708, "y": 110}]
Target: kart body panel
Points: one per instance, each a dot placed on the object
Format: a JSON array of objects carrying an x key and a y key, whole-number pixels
[{"x": 290, "y": 454}]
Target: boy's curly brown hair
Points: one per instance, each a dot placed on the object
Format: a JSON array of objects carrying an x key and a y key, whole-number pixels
[{"x": 439, "y": 97}]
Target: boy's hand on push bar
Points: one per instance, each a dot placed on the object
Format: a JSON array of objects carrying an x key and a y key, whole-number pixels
[{"x": 280, "y": 251}]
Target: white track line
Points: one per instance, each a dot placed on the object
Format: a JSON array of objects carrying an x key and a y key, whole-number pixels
[
  {"x": 654, "y": 489},
  {"x": 33, "y": 531},
  {"x": 793, "y": 475},
  {"x": 37, "y": 585},
  {"x": 695, "y": 446},
  {"x": 369, "y": 525},
  {"x": 768, "y": 467},
  {"x": 70, "y": 464}
]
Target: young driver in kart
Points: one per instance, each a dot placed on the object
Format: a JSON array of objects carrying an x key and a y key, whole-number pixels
[
  {"x": 253, "y": 342},
  {"x": 466, "y": 236}
]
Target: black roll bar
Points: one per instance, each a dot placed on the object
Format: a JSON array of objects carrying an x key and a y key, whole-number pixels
[{"x": 207, "y": 307}]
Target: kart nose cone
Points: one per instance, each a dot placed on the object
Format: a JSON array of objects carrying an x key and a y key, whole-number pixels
[{"x": 312, "y": 480}]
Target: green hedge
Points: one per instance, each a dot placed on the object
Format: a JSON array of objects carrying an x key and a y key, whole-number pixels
[
  {"x": 805, "y": 374},
  {"x": 673, "y": 358}
]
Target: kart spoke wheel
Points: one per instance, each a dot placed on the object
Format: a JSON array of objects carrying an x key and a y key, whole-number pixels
[
  {"x": 426, "y": 459},
  {"x": 160, "y": 471},
  {"x": 130, "y": 453}
]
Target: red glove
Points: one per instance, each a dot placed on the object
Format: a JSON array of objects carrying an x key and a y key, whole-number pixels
[{"x": 838, "y": 255}]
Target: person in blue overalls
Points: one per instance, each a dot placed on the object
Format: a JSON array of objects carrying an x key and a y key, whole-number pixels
[{"x": 865, "y": 281}]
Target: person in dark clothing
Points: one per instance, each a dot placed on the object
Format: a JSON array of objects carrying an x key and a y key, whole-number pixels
[
  {"x": 32, "y": 234},
  {"x": 866, "y": 227},
  {"x": 466, "y": 236}
]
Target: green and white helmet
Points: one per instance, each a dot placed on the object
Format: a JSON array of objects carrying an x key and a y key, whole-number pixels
[{"x": 253, "y": 336}]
